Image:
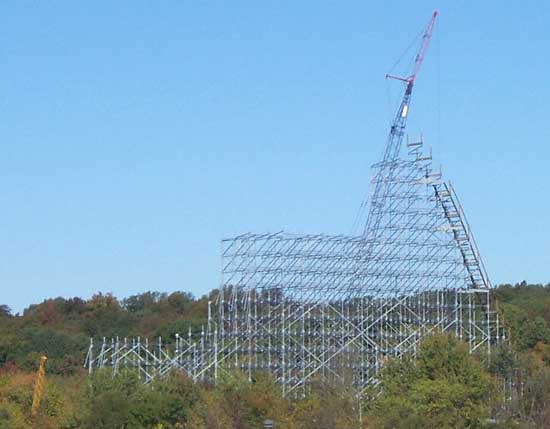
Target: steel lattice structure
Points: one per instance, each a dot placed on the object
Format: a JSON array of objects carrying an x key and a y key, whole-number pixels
[{"x": 336, "y": 307}]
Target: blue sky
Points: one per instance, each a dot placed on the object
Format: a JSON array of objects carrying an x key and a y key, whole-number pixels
[{"x": 135, "y": 135}]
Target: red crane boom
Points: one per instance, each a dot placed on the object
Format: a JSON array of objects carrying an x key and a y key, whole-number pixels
[
  {"x": 426, "y": 37},
  {"x": 395, "y": 138}
]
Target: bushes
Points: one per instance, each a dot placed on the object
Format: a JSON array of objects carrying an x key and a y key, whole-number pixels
[
  {"x": 125, "y": 402},
  {"x": 16, "y": 398},
  {"x": 445, "y": 387}
]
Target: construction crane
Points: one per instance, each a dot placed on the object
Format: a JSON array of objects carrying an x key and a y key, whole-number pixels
[
  {"x": 38, "y": 386},
  {"x": 446, "y": 197},
  {"x": 395, "y": 137}
]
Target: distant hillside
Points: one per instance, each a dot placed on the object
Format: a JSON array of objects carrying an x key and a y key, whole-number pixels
[{"x": 60, "y": 328}]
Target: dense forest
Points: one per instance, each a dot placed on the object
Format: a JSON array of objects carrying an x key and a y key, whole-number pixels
[{"x": 444, "y": 387}]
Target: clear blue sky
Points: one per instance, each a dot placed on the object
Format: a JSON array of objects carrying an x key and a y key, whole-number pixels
[{"x": 134, "y": 135}]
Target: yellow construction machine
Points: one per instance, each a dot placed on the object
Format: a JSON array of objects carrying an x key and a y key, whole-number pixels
[{"x": 38, "y": 386}]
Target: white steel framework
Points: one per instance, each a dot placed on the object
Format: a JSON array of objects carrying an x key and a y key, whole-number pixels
[{"x": 336, "y": 307}]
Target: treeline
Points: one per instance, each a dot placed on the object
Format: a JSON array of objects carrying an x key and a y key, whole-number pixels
[
  {"x": 445, "y": 387},
  {"x": 60, "y": 328}
]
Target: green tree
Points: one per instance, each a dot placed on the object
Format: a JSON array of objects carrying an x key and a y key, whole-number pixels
[
  {"x": 445, "y": 387},
  {"x": 5, "y": 311},
  {"x": 109, "y": 401},
  {"x": 124, "y": 401}
]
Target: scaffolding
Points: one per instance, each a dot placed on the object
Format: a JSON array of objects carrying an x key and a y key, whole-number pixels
[{"x": 305, "y": 307}]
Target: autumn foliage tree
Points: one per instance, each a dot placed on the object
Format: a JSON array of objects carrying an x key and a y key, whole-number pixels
[{"x": 444, "y": 387}]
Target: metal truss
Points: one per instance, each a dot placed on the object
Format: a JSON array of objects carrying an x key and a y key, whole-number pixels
[{"x": 306, "y": 307}]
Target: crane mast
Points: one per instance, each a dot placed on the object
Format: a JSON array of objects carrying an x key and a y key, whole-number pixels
[{"x": 395, "y": 137}]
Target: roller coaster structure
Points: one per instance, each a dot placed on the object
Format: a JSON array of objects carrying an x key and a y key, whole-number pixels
[{"x": 305, "y": 307}]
